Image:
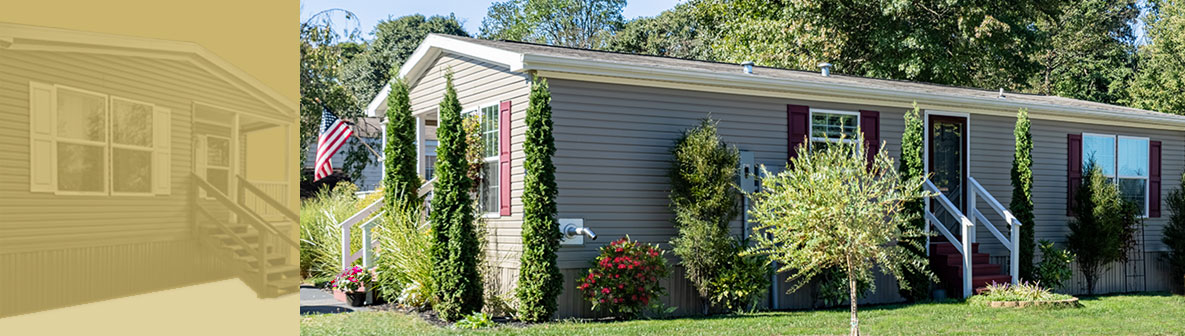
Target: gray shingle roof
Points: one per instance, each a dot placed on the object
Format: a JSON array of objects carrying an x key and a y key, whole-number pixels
[{"x": 798, "y": 75}]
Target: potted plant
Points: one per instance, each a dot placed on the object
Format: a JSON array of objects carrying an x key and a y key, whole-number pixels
[{"x": 354, "y": 283}]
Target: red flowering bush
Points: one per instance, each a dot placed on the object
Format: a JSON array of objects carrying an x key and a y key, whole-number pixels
[
  {"x": 352, "y": 280},
  {"x": 624, "y": 278}
]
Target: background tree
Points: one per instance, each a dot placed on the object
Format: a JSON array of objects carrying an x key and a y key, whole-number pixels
[
  {"x": 1103, "y": 224},
  {"x": 830, "y": 208},
  {"x": 394, "y": 41},
  {"x": 569, "y": 23},
  {"x": 675, "y": 32},
  {"x": 1086, "y": 50},
  {"x": 323, "y": 53},
  {"x": 935, "y": 41},
  {"x": 913, "y": 166},
  {"x": 455, "y": 248},
  {"x": 400, "y": 179},
  {"x": 1174, "y": 235},
  {"x": 1160, "y": 82},
  {"x": 539, "y": 279},
  {"x": 1021, "y": 205}
]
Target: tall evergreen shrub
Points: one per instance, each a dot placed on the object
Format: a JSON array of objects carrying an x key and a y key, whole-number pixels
[
  {"x": 1102, "y": 229},
  {"x": 705, "y": 198},
  {"x": 1021, "y": 205},
  {"x": 913, "y": 166},
  {"x": 454, "y": 241},
  {"x": 539, "y": 279},
  {"x": 1174, "y": 236},
  {"x": 400, "y": 179}
]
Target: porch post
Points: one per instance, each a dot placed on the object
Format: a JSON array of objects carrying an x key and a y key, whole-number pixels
[
  {"x": 420, "y": 145},
  {"x": 972, "y": 200}
]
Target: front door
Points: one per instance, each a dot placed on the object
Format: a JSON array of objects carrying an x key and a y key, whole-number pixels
[{"x": 947, "y": 136}]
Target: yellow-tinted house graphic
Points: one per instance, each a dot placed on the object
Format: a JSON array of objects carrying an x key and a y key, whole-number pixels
[{"x": 131, "y": 165}]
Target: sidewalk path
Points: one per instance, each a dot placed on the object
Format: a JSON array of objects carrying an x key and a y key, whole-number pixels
[{"x": 316, "y": 301}]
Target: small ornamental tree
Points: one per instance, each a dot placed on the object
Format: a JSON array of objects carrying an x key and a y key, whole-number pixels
[
  {"x": 400, "y": 180},
  {"x": 1174, "y": 236},
  {"x": 831, "y": 208},
  {"x": 455, "y": 249},
  {"x": 539, "y": 279},
  {"x": 1103, "y": 226},
  {"x": 1021, "y": 205},
  {"x": 913, "y": 166}
]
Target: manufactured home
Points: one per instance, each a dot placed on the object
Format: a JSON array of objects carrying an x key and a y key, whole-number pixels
[
  {"x": 131, "y": 165},
  {"x": 617, "y": 116}
]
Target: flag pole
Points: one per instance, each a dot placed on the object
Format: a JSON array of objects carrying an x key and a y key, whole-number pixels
[{"x": 355, "y": 134}]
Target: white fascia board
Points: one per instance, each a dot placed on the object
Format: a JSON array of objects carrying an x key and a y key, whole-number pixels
[
  {"x": 758, "y": 83},
  {"x": 424, "y": 55}
]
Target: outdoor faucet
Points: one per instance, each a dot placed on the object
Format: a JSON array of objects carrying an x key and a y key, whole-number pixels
[{"x": 572, "y": 230}]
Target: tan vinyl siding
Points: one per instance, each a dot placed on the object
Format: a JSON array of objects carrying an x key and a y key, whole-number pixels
[
  {"x": 45, "y": 221},
  {"x": 477, "y": 83}
]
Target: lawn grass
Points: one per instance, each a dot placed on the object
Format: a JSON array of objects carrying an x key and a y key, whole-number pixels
[{"x": 1105, "y": 315}]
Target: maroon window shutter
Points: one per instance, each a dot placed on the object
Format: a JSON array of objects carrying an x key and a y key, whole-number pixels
[
  {"x": 1073, "y": 169},
  {"x": 1154, "y": 179},
  {"x": 796, "y": 127},
  {"x": 870, "y": 125},
  {"x": 504, "y": 159}
]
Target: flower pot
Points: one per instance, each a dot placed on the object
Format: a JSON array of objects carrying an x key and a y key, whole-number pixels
[{"x": 356, "y": 299}]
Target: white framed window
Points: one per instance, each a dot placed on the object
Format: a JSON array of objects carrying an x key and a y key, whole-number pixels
[
  {"x": 1124, "y": 161},
  {"x": 488, "y": 199},
  {"x": 833, "y": 126},
  {"x": 90, "y": 143},
  {"x": 131, "y": 147},
  {"x": 430, "y": 159}
]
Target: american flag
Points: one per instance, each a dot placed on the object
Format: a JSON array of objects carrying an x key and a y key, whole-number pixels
[{"x": 334, "y": 133}]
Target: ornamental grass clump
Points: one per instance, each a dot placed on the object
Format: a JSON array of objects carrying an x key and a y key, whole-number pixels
[
  {"x": 1020, "y": 292},
  {"x": 624, "y": 278}
]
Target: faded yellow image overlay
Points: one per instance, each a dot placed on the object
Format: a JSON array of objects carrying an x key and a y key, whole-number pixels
[{"x": 147, "y": 184}]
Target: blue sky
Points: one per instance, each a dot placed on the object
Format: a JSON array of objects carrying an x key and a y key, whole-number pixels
[{"x": 469, "y": 12}]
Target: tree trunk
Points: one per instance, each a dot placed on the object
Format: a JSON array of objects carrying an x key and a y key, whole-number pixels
[{"x": 852, "y": 292}]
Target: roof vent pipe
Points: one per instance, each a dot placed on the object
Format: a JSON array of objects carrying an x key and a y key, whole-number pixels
[
  {"x": 826, "y": 67},
  {"x": 1001, "y": 96},
  {"x": 748, "y": 67}
]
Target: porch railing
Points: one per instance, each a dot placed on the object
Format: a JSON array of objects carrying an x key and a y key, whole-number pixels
[
  {"x": 963, "y": 243},
  {"x": 371, "y": 215}
]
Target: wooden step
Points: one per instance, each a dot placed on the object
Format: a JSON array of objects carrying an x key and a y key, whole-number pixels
[
  {"x": 978, "y": 281},
  {"x": 948, "y": 248},
  {"x": 957, "y": 259}
]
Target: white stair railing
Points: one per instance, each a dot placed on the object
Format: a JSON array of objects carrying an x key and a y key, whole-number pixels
[
  {"x": 366, "y": 252},
  {"x": 1013, "y": 244},
  {"x": 968, "y": 226}
]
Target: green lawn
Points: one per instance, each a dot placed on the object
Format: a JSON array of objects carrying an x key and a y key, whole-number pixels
[{"x": 1106, "y": 315}]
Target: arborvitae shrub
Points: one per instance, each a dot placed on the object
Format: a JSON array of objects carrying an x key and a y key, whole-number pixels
[
  {"x": 454, "y": 247},
  {"x": 913, "y": 165},
  {"x": 1102, "y": 229},
  {"x": 1174, "y": 236},
  {"x": 1021, "y": 205},
  {"x": 400, "y": 180},
  {"x": 539, "y": 279}
]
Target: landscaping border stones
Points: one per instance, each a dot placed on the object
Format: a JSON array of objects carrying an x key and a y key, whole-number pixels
[{"x": 1067, "y": 303}]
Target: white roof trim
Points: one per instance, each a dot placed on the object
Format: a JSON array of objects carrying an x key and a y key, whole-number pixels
[
  {"x": 424, "y": 56},
  {"x": 25, "y": 37},
  {"x": 516, "y": 62}
]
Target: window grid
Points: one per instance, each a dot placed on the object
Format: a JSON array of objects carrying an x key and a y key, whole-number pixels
[
  {"x": 1116, "y": 155},
  {"x": 834, "y": 126}
]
